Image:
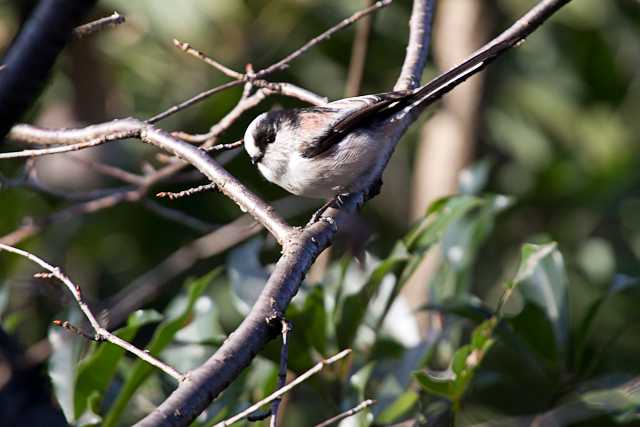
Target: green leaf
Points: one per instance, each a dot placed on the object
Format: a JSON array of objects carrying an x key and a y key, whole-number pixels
[
  {"x": 620, "y": 284},
  {"x": 473, "y": 179},
  {"x": 313, "y": 319},
  {"x": 542, "y": 281},
  {"x": 95, "y": 372},
  {"x": 360, "y": 379},
  {"x": 437, "y": 386},
  {"x": 90, "y": 416},
  {"x": 468, "y": 358},
  {"x": 354, "y": 307},
  {"x": 439, "y": 216},
  {"x": 65, "y": 353},
  {"x": 398, "y": 408},
  {"x": 467, "y": 307},
  {"x": 161, "y": 338}
]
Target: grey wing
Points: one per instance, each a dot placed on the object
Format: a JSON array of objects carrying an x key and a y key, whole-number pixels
[{"x": 350, "y": 113}]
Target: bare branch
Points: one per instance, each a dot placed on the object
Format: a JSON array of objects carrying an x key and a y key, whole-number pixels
[
  {"x": 31, "y": 226},
  {"x": 351, "y": 412},
  {"x": 286, "y": 89},
  {"x": 280, "y": 65},
  {"x": 193, "y": 100},
  {"x": 101, "y": 334},
  {"x": 317, "y": 368},
  {"x": 98, "y": 25},
  {"x": 186, "y": 47},
  {"x": 418, "y": 45},
  {"x": 284, "y": 62},
  {"x": 226, "y": 183}
]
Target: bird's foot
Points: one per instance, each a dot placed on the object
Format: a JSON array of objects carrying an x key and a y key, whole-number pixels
[{"x": 337, "y": 202}]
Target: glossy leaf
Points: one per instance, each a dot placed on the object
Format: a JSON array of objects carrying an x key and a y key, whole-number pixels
[
  {"x": 354, "y": 307},
  {"x": 398, "y": 408},
  {"x": 63, "y": 362},
  {"x": 542, "y": 281},
  {"x": 439, "y": 216}
]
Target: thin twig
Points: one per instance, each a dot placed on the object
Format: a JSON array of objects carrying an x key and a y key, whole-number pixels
[
  {"x": 101, "y": 334},
  {"x": 282, "y": 374},
  {"x": 225, "y": 147},
  {"x": 284, "y": 62},
  {"x": 193, "y": 100},
  {"x": 287, "y": 89},
  {"x": 53, "y": 150},
  {"x": 317, "y": 368},
  {"x": 186, "y": 193},
  {"x": 98, "y": 25},
  {"x": 186, "y": 47},
  {"x": 280, "y": 65},
  {"x": 351, "y": 412}
]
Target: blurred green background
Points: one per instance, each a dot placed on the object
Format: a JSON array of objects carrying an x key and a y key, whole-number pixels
[{"x": 556, "y": 133}]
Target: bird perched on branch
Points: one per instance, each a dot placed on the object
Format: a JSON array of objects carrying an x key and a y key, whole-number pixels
[{"x": 325, "y": 151}]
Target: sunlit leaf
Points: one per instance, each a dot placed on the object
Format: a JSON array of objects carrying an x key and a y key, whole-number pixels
[
  {"x": 439, "y": 216},
  {"x": 542, "y": 281},
  {"x": 63, "y": 362},
  {"x": 398, "y": 408},
  {"x": 435, "y": 385},
  {"x": 354, "y": 307}
]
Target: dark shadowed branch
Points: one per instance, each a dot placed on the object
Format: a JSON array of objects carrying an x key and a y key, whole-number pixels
[{"x": 32, "y": 55}]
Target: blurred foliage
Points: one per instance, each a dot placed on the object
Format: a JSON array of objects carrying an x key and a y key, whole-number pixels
[{"x": 559, "y": 169}]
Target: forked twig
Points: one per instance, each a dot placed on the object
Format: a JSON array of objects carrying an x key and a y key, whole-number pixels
[{"x": 101, "y": 334}]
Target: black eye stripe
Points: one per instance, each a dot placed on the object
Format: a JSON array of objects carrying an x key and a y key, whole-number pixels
[{"x": 266, "y": 131}]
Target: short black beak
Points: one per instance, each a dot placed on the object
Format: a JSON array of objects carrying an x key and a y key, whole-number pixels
[{"x": 254, "y": 160}]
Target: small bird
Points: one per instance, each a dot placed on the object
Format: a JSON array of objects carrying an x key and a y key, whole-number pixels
[{"x": 325, "y": 151}]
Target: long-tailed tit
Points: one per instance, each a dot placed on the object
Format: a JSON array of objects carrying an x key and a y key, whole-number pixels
[{"x": 321, "y": 152}]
